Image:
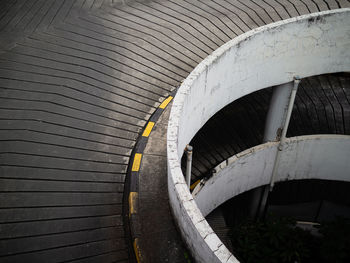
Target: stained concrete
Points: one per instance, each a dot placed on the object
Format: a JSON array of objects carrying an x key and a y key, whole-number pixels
[
  {"x": 261, "y": 58},
  {"x": 159, "y": 239}
]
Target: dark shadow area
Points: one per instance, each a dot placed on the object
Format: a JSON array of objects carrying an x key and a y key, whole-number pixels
[{"x": 306, "y": 221}]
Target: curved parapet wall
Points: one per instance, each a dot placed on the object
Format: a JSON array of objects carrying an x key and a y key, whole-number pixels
[
  {"x": 253, "y": 167},
  {"x": 270, "y": 55}
]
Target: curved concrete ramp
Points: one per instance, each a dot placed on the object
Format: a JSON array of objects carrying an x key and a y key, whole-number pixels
[
  {"x": 322, "y": 106},
  {"x": 78, "y": 80},
  {"x": 253, "y": 167},
  {"x": 269, "y": 56}
]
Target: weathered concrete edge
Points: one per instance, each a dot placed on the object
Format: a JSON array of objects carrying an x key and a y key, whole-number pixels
[
  {"x": 131, "y": 192},
  {"x": 253, "y": 167},
  {"x": 203, "y": 243}
]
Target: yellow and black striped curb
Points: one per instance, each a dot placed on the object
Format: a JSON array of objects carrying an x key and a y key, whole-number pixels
[{"x": 133, "y": 176}]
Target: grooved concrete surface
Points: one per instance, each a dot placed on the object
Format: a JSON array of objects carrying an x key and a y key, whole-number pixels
[{"x": 78, "y": 80}]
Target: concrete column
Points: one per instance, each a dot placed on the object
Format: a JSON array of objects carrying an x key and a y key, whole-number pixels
[
  {"x": 276, "y": 115},
  {"x": 275, "y": 120},
  {"x": 286, "y": 121}
]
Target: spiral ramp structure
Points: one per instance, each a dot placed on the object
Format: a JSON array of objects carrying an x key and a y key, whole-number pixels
[{"x": 80, "y": 81}]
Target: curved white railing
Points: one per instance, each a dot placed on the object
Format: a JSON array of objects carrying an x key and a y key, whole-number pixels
[
  {"x": 270, "y": 55},
  {"x": 253, "y": 167}
]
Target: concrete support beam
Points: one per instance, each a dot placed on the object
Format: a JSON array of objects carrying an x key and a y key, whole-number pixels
[
  {"x": 285, "y": 124},
  {"x": 277, "y": 122},
  {"x": 277, "y": 113}
]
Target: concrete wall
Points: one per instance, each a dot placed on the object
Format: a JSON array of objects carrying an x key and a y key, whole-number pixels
[
  {"x": 271, "y": 55},
  {"x": 323, "y": 157}
]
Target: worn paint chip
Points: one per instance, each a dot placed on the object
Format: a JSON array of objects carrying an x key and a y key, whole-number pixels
[
  {"x": 136, "y": 249},
  {"x": 137, "y": 162},
  {"x": 194, "y": 185},
  {"x": 148, "y": 129},
  {"x": 133, "y": 203},
  {"x": 165, "y": 102}
]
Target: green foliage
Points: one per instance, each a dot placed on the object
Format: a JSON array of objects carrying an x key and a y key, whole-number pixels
[
  {"x": 187, "y": 257},
  {"x": 279, "y": 240}
]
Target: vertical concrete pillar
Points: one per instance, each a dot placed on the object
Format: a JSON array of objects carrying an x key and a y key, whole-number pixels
[
  {"x": 286, "y": 121},
  {"x": 277, "y": 113},
  {"x": 275, "y": 121}
]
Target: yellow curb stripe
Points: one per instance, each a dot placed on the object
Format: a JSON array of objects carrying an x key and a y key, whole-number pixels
[
  {"x": 136, "y": 249},
  {"x": 165, "y": 102},
  {"x": 194, "y": 184},
  {"x": 148, "y": 129},
  {"x": 137, "y": 162},
  {"x": 132, "y": 203}
]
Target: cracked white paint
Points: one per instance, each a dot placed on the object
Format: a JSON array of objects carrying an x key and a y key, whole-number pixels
[{"x": 267, "y": 56}]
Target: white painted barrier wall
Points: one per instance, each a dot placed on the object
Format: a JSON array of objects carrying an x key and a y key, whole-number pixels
[
  {"x": 325, "y": 157},
  {"x": 270, "y": 55}
]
